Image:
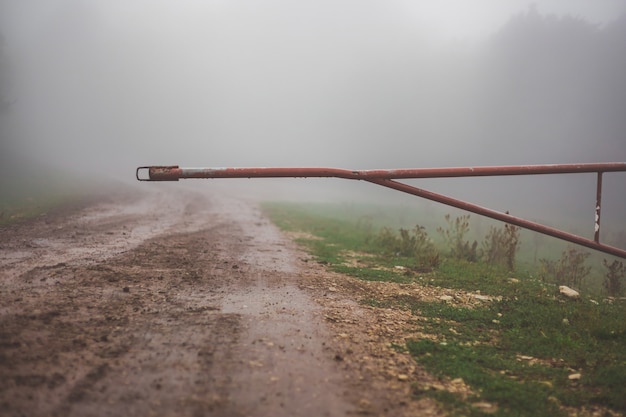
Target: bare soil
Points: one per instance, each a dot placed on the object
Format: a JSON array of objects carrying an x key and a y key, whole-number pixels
[{"x": 171, "y": 302}]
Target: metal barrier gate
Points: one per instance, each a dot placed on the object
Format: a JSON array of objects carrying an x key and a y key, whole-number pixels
[{"x": 387, "y": 177}]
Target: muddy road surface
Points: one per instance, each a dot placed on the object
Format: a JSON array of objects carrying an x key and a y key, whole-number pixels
[{"x": 171, "y": 302}]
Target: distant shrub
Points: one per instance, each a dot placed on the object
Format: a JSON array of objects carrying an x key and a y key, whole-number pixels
[
  {"x": 413, "y": 243},
  {"x": 386, "y": 241},
  {"x": 569, "y": 270},
  {"x": 501, "y": 245},
  {"x": 454, "y": 237},
  {"x": 614, "y": 277}
]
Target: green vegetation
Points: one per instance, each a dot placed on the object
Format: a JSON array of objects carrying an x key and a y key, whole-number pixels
[
  {"x": 413, "y": 244},
  {"x": 28, "y": 195},
  {"x": 501, "y": 245},
  {"x": 614, "y": 277},
  {"x": 22, "y": 208},
  {"x": 529, "y": 351},
  {"x": 570, "y": 269},
  {"x": 454, "y": 237}
]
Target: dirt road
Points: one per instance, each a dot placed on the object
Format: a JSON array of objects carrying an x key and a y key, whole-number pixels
[{"x": 180, "y": 304}]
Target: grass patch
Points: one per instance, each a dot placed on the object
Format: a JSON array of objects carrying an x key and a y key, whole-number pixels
[
  {"x": 522, "y": 351},
  {"x": 37, "y": 191},
  {"x": 484, "y": 346},
  {"x": 17, "y": 209}
]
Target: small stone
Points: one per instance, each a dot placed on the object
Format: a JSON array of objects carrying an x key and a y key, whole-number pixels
[
  {"x": 445, "y": 298},
  {"x": 568, "y": 292},
  {"x": 484, "y": 406},
  {"x": 403, "y": 377},
  {"x": 574, "y": 377},
  {"x": 481, "y": 297}
]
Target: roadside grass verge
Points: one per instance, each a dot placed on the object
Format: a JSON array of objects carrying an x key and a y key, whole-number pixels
[
  {"x": 526, "y": 351},
  {"x": 17, "y": 209},
  {"x": 39, "y": 192}
]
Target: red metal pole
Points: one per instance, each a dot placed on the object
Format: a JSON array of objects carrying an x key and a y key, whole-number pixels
[
  {"x": 386, "y": 177},
  {"x": 174, "y": 172}
]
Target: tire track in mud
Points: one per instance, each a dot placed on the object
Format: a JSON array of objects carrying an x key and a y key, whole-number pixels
[
  {"x": 98, "y": 231},
  {"x": 204, "y": 321}
]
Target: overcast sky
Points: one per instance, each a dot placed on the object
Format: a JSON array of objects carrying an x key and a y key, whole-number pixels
[
  {"x": 443, "y": 18},
  {"x": 111, "y": 85}
]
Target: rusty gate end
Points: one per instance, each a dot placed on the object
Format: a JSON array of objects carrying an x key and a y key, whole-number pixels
[{"x": 387, "y": 178}]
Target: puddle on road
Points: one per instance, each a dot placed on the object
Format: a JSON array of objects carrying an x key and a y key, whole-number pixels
[
  {"x": 287, "y": 360},
  {"x": 288, "y": 370}
]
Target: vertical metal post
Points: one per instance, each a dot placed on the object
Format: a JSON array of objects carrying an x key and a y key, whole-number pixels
[{"x": 596, "y": 235}]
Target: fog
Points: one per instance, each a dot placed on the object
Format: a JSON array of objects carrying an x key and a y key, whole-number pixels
[{"x": 103, "y": 87}]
